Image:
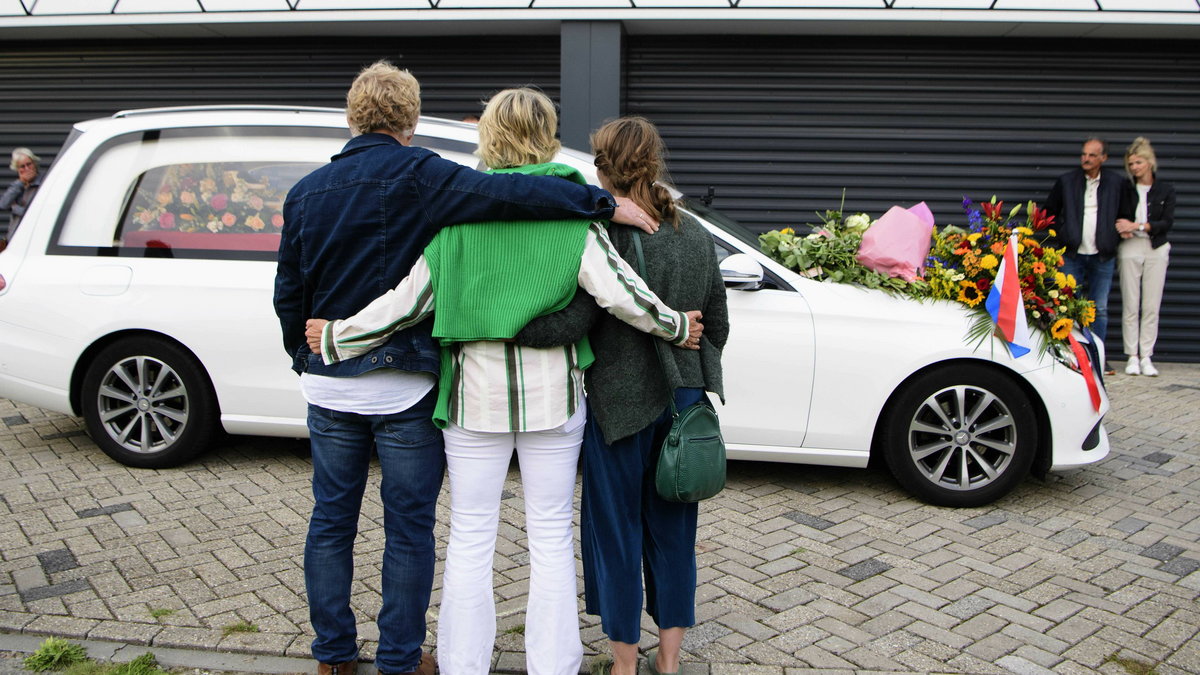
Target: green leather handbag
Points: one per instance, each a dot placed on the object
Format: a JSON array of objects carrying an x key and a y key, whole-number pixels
[{"x": 691, "y": 462}]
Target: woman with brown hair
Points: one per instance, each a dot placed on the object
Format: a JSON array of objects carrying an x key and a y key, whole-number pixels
[{"x": 627, "y": 529}]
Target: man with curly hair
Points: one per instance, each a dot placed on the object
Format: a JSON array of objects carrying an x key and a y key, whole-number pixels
[{"x": 352, "y": 229}]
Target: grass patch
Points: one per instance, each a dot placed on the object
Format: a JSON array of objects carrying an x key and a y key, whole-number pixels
[
  {"x": 160, "y": 612},
  {"x": 55, "y": 654},
  {"x": 518, "y": 629},
  {"x": 799, "y": 550},
  {"x": 1131, "y": 666},
  {"x": 239, "y": 627}
]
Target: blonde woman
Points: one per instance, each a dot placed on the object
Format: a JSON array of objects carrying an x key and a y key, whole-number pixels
[
  {"x": 483, "y": 282},
  {"x": 1145, "y": 217}
]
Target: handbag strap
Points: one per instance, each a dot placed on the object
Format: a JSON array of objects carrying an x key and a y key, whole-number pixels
[{"x": 658, "y": 345}]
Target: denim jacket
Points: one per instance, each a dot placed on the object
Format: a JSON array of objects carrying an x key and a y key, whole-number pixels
[{"x": 355, "y": 226}]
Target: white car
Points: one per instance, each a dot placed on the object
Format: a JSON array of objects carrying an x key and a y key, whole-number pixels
[{"x": 137, "y": 294}]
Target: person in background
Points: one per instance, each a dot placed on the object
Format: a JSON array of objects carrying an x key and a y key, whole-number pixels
[
  {"x": 1146, "y": 215},
  {"x": 627, "y": 530},
  {"x": 353, "y": 228},
  {"x": 18, "y": 195},
  {"x": 483, "y": 282},
  {"x": 1084, "y": 202}
]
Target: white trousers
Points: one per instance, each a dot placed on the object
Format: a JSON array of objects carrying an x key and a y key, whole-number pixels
[
  {"x": 1143, "y": 272},
  {"x": 478, "y": 464}
]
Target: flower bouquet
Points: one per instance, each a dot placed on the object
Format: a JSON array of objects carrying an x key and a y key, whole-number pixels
[{"x": 962, "y": 265}]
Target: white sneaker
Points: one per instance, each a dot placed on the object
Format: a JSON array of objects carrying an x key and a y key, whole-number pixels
[
  {"x": 1133, "y": 368},
  {"x": 1148, "y": 368}
]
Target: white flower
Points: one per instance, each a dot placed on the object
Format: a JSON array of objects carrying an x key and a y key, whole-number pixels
[
  {"x": 1053, "y": 294},
  {"x": 958, "y": 277},
  {"x": 1037, "y": 314},
  {"x": 858, "y": 221}
]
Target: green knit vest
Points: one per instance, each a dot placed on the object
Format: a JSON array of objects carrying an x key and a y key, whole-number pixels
[{"x": 490, "y": 279}]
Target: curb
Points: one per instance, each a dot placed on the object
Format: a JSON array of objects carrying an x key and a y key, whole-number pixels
[{"x": 168, "y": 657}]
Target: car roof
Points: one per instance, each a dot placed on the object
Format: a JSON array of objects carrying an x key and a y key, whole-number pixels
[{"x": 255, "y": 115}]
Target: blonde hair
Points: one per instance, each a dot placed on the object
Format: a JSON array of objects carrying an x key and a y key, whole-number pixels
[
  {"x": 18, "y": 153},
  {"x": 383, "y": 98},
  {"x": 517, "y": 128},
  {"x": 631, "y": 155},
  {"x": 1141, "y": 147}
]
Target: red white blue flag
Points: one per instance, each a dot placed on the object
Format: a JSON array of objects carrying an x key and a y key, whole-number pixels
[{"x": 1006, "y": 306}]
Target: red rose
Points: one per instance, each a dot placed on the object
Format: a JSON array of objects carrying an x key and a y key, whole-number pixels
[
  {"x": 218, "y": 202},
  {"x": 167, "y": 221}
]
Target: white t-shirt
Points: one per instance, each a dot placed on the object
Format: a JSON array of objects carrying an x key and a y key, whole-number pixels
[
  {"x": 1091, "y": 190},
  {"x": 382, "y": 391}
]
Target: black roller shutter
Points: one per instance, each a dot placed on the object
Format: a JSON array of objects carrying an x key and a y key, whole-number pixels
[
  {"x": 781, "y": 125},
  {"x": 50, "y": 86}
]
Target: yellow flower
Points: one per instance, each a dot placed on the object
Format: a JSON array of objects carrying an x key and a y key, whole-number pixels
[
  {"x": 1061, "y": 329},
  {"x": 969, "y": 294},
  {"x": 1024, "y": 230},
  {"x": 1060, "y": 279},
  {"x": 974, "y": 237},
  {"x": 989, "y": 262},
  {"x": 1071, "y": 281},
  {"x": 1052, "y": 233},
  {"x": 787, "y": 230},
  {"x": 1088, "y": 315}
]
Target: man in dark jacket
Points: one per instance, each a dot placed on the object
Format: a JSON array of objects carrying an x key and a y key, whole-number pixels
[
  {"x": 1084, "y": 204},
  {"x": 353, "y": 228}
]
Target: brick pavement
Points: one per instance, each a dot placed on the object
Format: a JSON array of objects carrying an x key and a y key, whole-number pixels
[{"x": 802, "y": 569}]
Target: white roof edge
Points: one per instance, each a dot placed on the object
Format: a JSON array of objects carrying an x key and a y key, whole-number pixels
[{"x": 628, "y": 15}]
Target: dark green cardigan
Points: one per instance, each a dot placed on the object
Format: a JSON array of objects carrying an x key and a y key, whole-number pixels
[{"x": 626, "y": 387}]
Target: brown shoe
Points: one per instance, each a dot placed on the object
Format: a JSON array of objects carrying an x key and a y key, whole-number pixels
[
  {"x": 426, "y": 667},
  {"x": 348, "y": 668}
]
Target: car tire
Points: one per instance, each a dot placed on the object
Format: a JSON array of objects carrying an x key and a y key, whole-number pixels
[
  {"x": 148, "y": 403},
  {"x": 960, "y": 436}
]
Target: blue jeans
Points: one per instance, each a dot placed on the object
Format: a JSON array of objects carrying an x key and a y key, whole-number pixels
[
  {"x": 412, "y": 462},
  {"x": 627, "y": 531},
  {"x": 1094, "y": 277}
]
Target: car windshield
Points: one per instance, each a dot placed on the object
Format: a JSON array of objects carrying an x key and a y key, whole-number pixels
[{"x": 722, "y": 221}]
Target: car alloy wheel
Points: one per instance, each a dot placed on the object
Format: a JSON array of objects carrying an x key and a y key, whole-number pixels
[
  {"x": 961, "y": 436},
  {"x": 147, "y": 403}
]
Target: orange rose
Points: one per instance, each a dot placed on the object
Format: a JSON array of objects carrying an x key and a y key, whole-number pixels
[
  {"x": 255, "y": 223},
  {"x": 228, "y": 218}
]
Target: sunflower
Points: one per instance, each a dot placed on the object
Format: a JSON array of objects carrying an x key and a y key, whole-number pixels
[
  {"x": 1088, "y": 315},
  {"x": 1061, "y": 329},
  {"x": 1039, "y": 267},
  {"x": 969, "y": 294}
]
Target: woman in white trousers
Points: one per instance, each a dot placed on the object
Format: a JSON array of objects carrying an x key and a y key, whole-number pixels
[{"x": 1146, "y": 214}]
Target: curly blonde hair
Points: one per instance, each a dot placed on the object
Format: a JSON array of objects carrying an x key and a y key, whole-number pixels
[
  {"x": 631, "y": 155},
  {"x": 517, "y": 128},
  {"x": 1141, "y": 147},
  {"x": 383, "y": 98}
]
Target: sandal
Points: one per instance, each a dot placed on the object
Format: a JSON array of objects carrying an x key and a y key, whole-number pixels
[
  {"x": 652, "y": 663},
  {"x": 601, "y": 665}
]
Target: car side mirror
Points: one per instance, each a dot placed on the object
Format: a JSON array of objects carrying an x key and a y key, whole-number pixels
[{"x": 741, "y": 272}]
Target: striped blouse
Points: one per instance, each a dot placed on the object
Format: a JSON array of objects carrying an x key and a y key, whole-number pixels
[{"x": 502, "y": 386}]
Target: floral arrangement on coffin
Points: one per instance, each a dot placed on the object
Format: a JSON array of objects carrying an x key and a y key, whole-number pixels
[
  {"x": 961, "y": 267},
  {"x": 205, "y": 197}
]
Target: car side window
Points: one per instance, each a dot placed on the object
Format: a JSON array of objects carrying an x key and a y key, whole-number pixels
[
  {"x": 233, "y": 206},
  {"x": 211, "y": 192}
]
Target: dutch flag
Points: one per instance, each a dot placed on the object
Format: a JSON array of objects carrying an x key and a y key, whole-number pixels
[{"x": 1005, "y": 305}]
